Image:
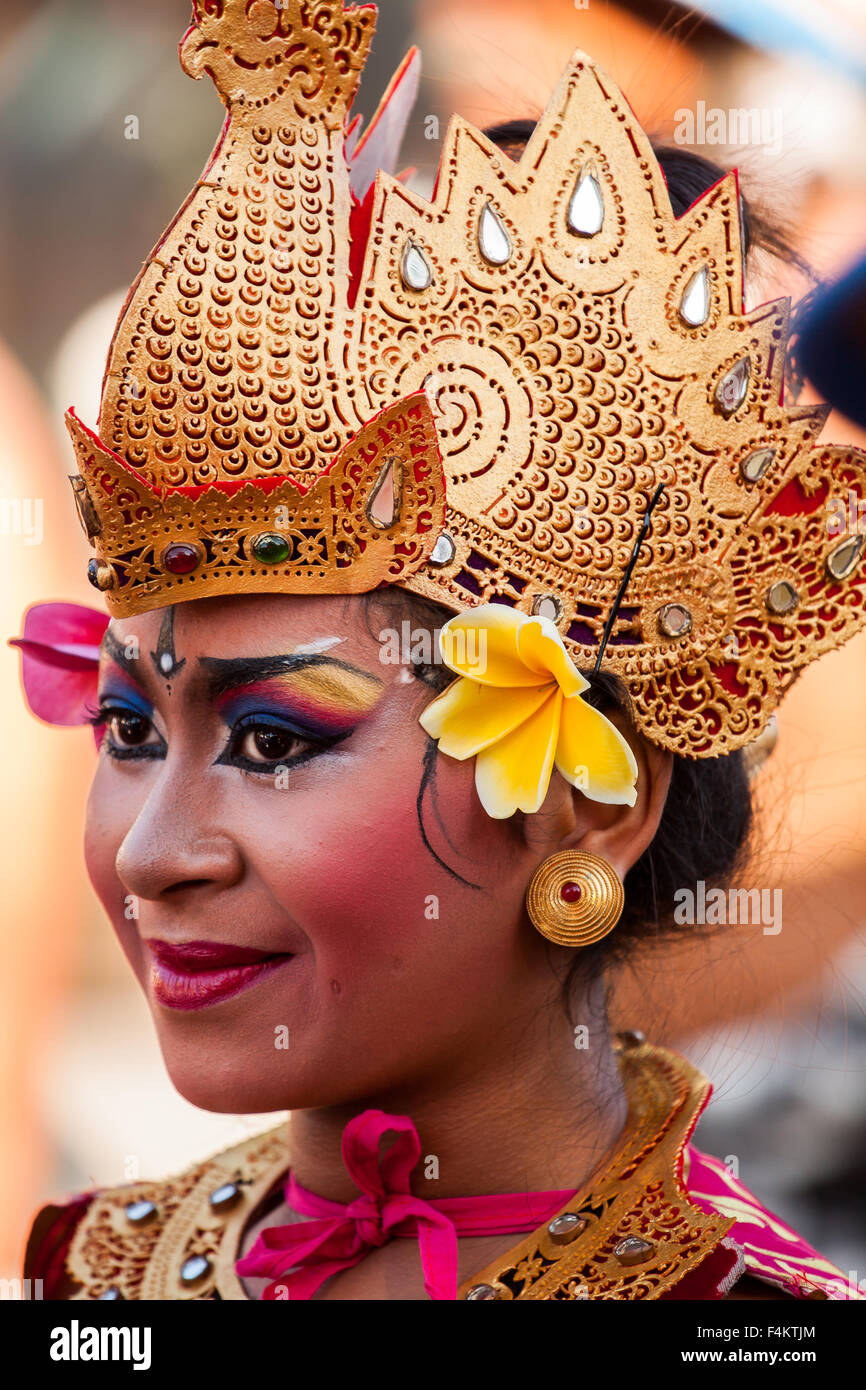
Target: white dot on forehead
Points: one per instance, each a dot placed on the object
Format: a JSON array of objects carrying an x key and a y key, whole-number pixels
[{"x": 166, "y": 661}]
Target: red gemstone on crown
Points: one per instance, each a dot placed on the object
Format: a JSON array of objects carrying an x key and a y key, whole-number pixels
[
  {"x": 571, "y": 892},
  {"x": 181, "y": 559}
]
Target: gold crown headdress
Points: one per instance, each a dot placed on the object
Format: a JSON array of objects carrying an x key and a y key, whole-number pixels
[{"x": 292, "y": 362}]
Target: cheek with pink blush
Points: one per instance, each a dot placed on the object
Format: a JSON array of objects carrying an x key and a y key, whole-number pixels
[{"x": 360, "y": 877}]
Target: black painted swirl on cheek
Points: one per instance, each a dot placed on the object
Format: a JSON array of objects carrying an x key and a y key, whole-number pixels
[{"x": 428, "y": 783}]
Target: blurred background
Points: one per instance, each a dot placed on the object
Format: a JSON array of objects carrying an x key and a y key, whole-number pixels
[{"x": 776, "y": 1021}]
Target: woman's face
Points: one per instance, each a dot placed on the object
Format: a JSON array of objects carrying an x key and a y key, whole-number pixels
[{"x": 254, "y": 832}]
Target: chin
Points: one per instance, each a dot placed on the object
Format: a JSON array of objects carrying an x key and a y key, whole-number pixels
[
  {"x": 221, "y": 1075},
  {"x": 228, "y": 1076},
  {"x": 226, "y": 1090}
]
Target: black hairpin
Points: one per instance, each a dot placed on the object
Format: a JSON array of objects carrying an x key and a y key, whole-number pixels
[{"x": 644, "y": 532}]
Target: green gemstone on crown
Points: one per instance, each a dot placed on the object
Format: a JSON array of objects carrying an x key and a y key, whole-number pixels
[{"x": 271, "y": 549}]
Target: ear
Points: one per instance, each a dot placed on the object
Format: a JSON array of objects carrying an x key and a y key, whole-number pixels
[
  {"x": 623, "y": 837},
  {"x": 619, "y": 834}
]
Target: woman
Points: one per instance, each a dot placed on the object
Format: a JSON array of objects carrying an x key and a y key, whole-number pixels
[{"x": 351, "y": 446}]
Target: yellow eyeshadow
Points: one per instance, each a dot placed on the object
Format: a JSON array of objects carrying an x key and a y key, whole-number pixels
[{"x": 329, "y": 685}]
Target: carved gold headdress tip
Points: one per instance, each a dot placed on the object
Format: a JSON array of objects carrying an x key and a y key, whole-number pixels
[
  {"x": 581, "y": 352},
  {"x": 251, "y": 50}
]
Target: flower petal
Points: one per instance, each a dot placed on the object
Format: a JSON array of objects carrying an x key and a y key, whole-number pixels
[
  {"x": 514, "y": 774},
  {"x": 60, "y": 667},
  {"x": 483, "y": 645},
  {"x": 593, "y": 755},
  {"x": 470, "y": 717},
  {"x": 541, "y": 647}
]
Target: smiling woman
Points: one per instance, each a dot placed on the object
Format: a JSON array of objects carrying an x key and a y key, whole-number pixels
[
  {"x": 384, "y": 894},
  {"x": 260, "y": 802}
]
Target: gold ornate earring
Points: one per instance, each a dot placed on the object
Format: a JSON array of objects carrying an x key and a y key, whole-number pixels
[{"x": 575, "y": 899}]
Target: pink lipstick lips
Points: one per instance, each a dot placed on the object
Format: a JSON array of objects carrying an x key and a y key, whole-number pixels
[{"x": 200, "y": 973}]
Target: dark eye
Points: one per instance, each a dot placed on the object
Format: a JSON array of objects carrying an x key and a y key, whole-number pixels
[
  {"x": 129, "y": 730},
  {"x": 129, "y": 734},
  {"x": 264, "y": 744}
]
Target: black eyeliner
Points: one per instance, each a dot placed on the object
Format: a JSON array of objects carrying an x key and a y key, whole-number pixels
[{"x": 228, "y": 758}]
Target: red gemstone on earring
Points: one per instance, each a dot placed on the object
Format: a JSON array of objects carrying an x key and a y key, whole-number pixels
[{"x": 571, "y": 892}]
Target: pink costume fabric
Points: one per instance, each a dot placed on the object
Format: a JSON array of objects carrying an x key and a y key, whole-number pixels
[{"x": 772, "y": 1250}]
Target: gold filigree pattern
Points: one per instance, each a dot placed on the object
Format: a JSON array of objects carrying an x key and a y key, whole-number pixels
[
  {"x": 227, "y": 412},
  {"x": 328, "y": 540},
  {"x": 228, "y": 359},
  {"x": 111, "y": 1257},
  {"x": 578, "y": 343},
  {"x": 568, "y": 386},
  {"x": 637, "y": 1196}
]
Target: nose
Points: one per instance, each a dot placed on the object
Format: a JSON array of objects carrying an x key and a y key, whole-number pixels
[{"x": 176, "y": 841}]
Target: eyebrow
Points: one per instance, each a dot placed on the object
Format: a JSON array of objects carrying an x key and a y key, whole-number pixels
[
  {"x": 130, "y": 664},
  {"x": 223, "y": 676}
]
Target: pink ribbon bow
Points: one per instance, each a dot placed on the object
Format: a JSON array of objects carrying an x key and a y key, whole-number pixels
[{"x": 301, "y": 1257}]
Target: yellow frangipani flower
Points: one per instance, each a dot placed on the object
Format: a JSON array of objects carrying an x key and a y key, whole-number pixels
[{"x": 518, "y": 710}]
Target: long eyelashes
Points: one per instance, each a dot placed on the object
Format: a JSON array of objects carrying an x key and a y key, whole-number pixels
[
  {"x": 277, "y": 741},
  {"x": 104, "y": 717},
  {"x": 258, "y": 743}
]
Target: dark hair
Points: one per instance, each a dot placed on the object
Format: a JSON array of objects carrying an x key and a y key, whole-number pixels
[
  {"x": 706, "y": 823},
  {"x": 703, "y": 835}
]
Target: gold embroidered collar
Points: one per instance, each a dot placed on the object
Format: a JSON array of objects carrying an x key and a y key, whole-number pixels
[{"x": 630, "y": 1232}]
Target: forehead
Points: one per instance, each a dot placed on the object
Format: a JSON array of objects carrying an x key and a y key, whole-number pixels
[
  {"x": 328, "y": 648},
  {"x": 255, "y": 625}
]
